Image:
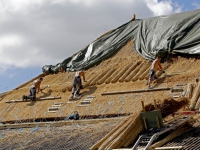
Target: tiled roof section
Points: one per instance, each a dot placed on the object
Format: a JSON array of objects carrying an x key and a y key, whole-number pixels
[{"x": 189, "y": 140}]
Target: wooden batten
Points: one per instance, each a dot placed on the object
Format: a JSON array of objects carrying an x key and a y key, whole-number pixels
[
  {"x": 136, "y": 91},
  {"x": 177, "y": 132},
  {"x": 59, "y": 123},
  {"x": 169, "y": 148}
]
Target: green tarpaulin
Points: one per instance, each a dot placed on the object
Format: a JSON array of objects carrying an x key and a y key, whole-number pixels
[{"x": 175, "y": 33}]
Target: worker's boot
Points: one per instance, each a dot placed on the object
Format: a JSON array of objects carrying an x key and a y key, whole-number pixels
[
  {"x": 78, "y": 95},
  {"x": 72, "y": 96},
  {"x": 24, "y": 98}
]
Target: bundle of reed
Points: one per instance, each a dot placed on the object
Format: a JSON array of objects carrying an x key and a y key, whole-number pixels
[
  {"x": 98, "y": 77},
  {"x": 144, "y": 74},
  {"x": 189, "y": 91},
  {"x": 108, "y": 80},
  {"x": 129, "y": 134},
  {"x": 115, "y": 134},
  {"x": 124, "y": 129},
  {"x": 121, "y": 79},
  {"x": 108, "y": 74},
  {"x": 197, "y": 106},
  {"x": 177, "y": 132},
  {"x": 147, "y": 76},
  {"x": 117, "y": 76},
  {"x": 195, "y": 97},
  {"x": 133, "y": 73},
  {"x": 118, "y": 127},
  {"x": 89, "y": 81},
  {"x": 126, "y": 132},
  {"x": 144, "y": 67}
]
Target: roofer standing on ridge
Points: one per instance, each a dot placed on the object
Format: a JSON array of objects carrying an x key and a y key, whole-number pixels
[
  {"x": 78, "y": 83},
  {"x": 156, "y": 65},
  {"x": 35, "y": 88}
]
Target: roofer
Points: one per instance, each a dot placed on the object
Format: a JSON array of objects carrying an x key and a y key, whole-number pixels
[
  {"x": 77, "y": 83},
  {"x": 37, "y": 83},
  {"x": 156, "y": 65},
  {"x": 35, "y": 88}
]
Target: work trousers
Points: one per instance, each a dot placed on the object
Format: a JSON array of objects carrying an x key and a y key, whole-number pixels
[
  {"x": 77, "y": 85},
  {"x": 32, "y": 94}
]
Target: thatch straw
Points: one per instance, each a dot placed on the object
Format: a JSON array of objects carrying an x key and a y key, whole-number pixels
[
  {"x": 195, "y": 97},
  {"x": 125, "y": 133}
]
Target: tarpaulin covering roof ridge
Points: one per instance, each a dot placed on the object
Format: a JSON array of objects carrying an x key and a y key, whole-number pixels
[{"x": 177, "y": 33}]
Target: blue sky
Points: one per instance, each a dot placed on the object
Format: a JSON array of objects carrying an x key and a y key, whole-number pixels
[{"x": 45, "y": 32}]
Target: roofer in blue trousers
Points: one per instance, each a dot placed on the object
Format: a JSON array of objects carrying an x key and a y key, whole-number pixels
[{"x": 32, "y": 91}]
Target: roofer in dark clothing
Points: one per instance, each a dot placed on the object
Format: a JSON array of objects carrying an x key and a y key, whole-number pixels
[
  {"x": 32, "y": 91},
  {"x": 32, "y": 94},
  {"x": 77, "y": 83}
]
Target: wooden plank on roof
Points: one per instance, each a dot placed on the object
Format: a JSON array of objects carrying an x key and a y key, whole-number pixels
[
  {"x": 171, "y": 148},
  {"x": 37, "y": 99},
  {"x": 59, "y": 123},
  {"x": 136, "y": 91}
]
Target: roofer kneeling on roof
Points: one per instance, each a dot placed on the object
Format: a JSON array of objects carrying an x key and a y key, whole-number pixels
[{"x": 35, "y": 88}]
